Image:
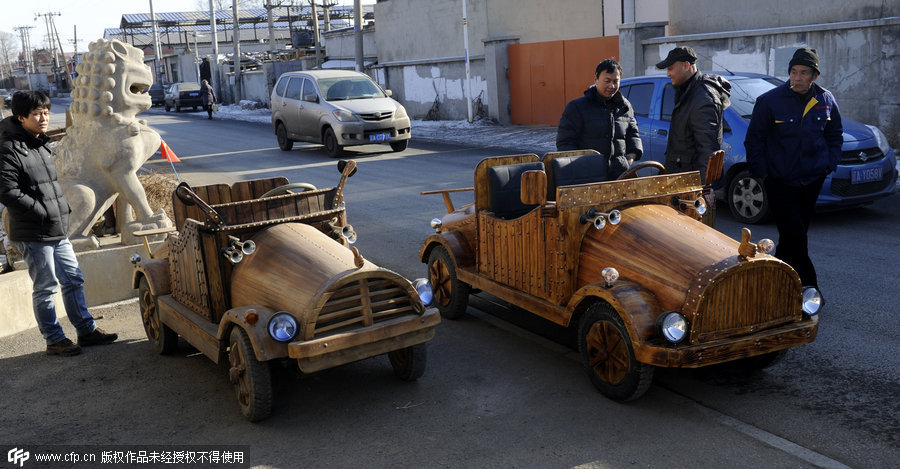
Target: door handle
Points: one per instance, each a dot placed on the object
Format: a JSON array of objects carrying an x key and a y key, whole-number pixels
[{"x": 662, "y": 132}]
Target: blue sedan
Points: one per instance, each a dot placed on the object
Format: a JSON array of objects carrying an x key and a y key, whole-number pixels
[{"x": 867, "y": 170}]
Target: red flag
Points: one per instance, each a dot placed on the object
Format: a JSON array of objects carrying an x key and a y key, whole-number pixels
[{"x": 167, "y": 152}]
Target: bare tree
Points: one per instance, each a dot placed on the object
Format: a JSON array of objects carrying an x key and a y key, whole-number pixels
[{"x": 9, "y": 47}]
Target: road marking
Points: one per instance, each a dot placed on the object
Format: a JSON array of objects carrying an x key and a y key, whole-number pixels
[{"x": 758, "y": 434}]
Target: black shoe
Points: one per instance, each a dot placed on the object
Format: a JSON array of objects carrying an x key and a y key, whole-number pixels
[
  {"x": 97, "y": 337},
  {"x": 64, "y": 347}
]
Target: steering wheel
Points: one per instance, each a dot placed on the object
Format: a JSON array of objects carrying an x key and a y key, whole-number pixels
[
  {"x": 286, "y": 189},
  {"x": 632, "y": 171}
]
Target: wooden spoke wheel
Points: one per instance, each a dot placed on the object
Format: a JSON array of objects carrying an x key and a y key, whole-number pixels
[
  {"x": 409, "y": 362},
  {"x": 608, "y": 355},
  {"x": 162, "y": 339},
  {"x": 451, "y": 296},
  {"x": 632, "y": 171},
  {"x": 251, "y": 379}
]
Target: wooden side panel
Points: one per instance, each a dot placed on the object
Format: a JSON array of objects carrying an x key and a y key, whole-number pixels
[
  {"x": 514, "y": 252},
  {"x": 189, "y": 285}
]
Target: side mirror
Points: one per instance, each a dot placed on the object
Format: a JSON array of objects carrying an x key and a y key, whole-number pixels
[
  {"x": 388, "y": 93},
  {"x": 534, "y": 187},
  {"x": 311, "y": 98}
]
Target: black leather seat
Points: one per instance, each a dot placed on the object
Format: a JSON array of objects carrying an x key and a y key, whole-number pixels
[
  {"x": 572, "y": 170},
  {"x": 506, "y": 186}
]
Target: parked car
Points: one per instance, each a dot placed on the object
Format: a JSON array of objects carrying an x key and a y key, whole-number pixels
[
  {"x": 269, "y": 275},
  {"x": 183, "y": 94},
  {"x": 157, "y": 94},
  {"x": 626, "y": 264},
  {"x": 336, "y": 108},
  {"x": 7, "y": 97},
  {"x": 866, "y": 173}
]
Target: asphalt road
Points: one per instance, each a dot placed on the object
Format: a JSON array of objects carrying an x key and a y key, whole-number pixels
[{"x": 500, "y": 390}]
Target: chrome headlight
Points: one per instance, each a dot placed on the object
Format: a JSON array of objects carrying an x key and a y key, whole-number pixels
[
  {"x": 610, "y": 275},
  {"x": 812, "y": 301},
  {"x": 423, "y": 288},
  {"x": 880, "y": 139},
  {"x": 673, "y": 326},
  {"x": 282, "y": 327},
  {"x": 766, "y": 245},
  {"x": 344, "y": 115}
]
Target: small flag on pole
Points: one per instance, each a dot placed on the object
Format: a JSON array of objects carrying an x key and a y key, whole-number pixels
[{"x": 167, "y": 153}]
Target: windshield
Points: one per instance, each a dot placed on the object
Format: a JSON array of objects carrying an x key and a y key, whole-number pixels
[
  {"x": 744, "y": 92},
  {"x": 338, "y": 89}
]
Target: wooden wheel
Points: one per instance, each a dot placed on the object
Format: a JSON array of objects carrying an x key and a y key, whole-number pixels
[
  {"x": 632, "y": 171},
  {"x": 608, "y": 355},
  {"x": 409, "y": 362},
  {"x": 162, "y": 339},
  {"x": 251, "y": 379},
  {"x": 451, "y": 296}
]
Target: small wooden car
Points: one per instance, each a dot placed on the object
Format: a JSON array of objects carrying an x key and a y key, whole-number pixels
[
  {"x": 627, "y": 262},
  {"x": 269, "y": 275}
]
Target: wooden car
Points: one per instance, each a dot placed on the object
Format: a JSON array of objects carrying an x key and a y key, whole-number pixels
[
  {"x": 269, "y": 275},
  {"x": 626, "y": 262}
]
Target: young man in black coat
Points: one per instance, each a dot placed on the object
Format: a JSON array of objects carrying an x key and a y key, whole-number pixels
[
  {"x": 39, "y": 222},
  {"x": 602, "y": 120}
]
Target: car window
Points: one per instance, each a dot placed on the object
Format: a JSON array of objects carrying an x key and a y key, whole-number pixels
[
  {"x": 282, "y": 84},
  {"x": 309, "y": 90},
  {"x": 336, "y": 89},
  {"x": 640, "y": 96},
  {"x": 187, "y": 86},
  {"x": 668, "y": 102},
  {"x": 293, "y": 89},
  {"x": 745, "y": 91}
]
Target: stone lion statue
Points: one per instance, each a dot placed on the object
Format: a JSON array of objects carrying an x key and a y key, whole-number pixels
[{"x": 105, "y": 144}]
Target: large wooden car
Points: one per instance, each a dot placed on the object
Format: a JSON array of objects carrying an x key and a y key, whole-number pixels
[
  {"x": 269, "y": 275},
  {"x": 627, "y": 262}
]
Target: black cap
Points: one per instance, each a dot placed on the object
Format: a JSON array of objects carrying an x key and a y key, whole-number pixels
[
  {"x": 805, "y": 56},
  {"x": 678, "y": 54}
]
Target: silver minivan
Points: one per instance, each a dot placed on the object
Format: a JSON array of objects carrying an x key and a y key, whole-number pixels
[{"x": 336, "y": 108}]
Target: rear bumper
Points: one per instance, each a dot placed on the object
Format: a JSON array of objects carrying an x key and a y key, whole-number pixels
[
  {"x": 726, "y": 350},
  {"x": 334, "y": 350}
]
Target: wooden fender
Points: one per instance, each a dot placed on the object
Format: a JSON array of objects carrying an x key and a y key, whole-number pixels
[
  {"x": 637, "y": 306},
  {"x": 157, "y": 273},
  {"x": 455, "y": 244},
  {"x": 264, "y": 347}
]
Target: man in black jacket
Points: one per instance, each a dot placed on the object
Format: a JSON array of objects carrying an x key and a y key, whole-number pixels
[
  {"x": 602, "y": 120},
  {"x": 39, "y": 218},
  {"x": 696, "y": 129}
]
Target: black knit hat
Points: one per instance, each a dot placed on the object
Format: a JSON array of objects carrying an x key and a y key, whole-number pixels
[
  {"x": 805, "y": 56},
  {"x": 678, "y": 54}
]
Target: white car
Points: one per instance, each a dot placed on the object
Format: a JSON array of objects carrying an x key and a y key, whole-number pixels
[{"x": 336, "y": 108}]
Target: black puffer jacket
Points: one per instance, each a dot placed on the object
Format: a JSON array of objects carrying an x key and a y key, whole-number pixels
[
  {"x": 28, "y": 186},
  {"x": 696, "y": 129},
  {"x": 608, "y": 126}
]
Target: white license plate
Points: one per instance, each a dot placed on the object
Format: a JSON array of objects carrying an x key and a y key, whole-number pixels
[
  {"x": 863, "y": 175},
  {"x": 379, "y": 137}
]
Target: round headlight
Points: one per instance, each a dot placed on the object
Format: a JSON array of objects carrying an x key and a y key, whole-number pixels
[
  {"x": 766, "y": 245},
  {"x": 282, "y": 327},
  {"x": 423, "y": 288},
  {"x": 812, "y": 301},
  {"x": 673, "y": 326},
  {"x": 610, "y": 275}
]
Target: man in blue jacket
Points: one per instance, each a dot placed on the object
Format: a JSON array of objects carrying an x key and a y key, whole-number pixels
[
  {"x": 793, "y": 141},
  {"x": 602, "y": 120},
  {"x": 39, "y": 221}
]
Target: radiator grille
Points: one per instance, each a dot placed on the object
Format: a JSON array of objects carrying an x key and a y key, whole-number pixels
[
  {"x": 376, "y": 116},
  {"x": 853, "y": 157},
  {"x": 747, "y": 298},
  {"x": 362, "y": 303}
]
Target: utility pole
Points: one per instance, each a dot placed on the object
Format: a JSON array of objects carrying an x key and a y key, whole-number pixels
[
  {"x": 26, "y": 47},
  {"x": 357, "y": 28},
  {"x": 237, "y": 52},
  {"x": 269, "y": 8},
  {"x": 54, "y": 52},
  {"x": 159, "y": 66},
  {"x": 466, "y": 45},
  {"x": 65, "y": 63},
  {"x": 315, "y": 20},
  {"x": 214, "y": 63}
]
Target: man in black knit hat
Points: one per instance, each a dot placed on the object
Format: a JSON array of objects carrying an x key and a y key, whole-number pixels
[{"x": 793, "y": 141}]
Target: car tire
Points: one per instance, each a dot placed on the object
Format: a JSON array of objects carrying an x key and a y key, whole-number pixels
[
  {"x": 177, "y": 108},
  {"x": 608, "y": 355},
  {"x": 451, "y": 296},
  {"x": 331, "y": 145},
  {"x": 284, "y": 142},
  {"x": 168, "y": 108},
  {"x": 399, "y": 145},
  {"x": 251, "y": 379},
  {"x": 163, "y": 340},
  {"x": 409, "y": 362},
  {"x": 747, "y": 198}
]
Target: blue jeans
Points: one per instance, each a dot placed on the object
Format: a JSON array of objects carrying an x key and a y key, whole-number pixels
[{"x": 48, "y": 262}]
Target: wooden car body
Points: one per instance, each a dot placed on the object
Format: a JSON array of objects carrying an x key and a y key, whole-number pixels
[
  {"x": 345, "y": 308},
  {"x": 546, "y": 256}
]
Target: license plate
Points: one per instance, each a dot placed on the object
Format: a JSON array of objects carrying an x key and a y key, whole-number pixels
[
  {"x": 379, "y": 137},
  {"x": 863, "y": 175},
  {"x": 194, "y": 94}
]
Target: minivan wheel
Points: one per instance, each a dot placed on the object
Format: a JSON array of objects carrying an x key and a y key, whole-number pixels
[
  {"x": 331, "y": 145},
  {"x": 283, "y": 141},
  {"x": 399, "y": 145},
  {"x": 747, "y": 198}
]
